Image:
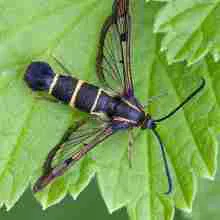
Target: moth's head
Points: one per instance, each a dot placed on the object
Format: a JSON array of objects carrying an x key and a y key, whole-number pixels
[
  {"x": 148, "y": 123},
  {"x": 39, "y": 76}
]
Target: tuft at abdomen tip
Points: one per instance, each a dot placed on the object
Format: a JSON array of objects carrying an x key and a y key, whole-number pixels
[{"x": 39, "y": 76}]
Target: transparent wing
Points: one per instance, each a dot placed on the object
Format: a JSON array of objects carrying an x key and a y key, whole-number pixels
[
  {"x": 77, "y": 140},
  {"x": 73, "y": 146},
  {"x": 113, "y": 58}
]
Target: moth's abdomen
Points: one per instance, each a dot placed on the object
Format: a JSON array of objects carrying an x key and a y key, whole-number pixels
[
  {"x": 39, "y": 76},
  {"x": 63, "y": 88},
  {"x": 75, "y": 92},
  {"x": 85, "y": 97}
]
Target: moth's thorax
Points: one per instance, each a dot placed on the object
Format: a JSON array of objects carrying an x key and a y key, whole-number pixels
[{"x": 125, "y": 111}]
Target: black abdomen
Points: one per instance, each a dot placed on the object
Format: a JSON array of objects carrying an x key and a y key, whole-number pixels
[
  {"x": 86, "y": 97},
  {"x": 63, "y": 88},
  {"x": 40, "y": 77},
  {"x": 75, "y": 92}
]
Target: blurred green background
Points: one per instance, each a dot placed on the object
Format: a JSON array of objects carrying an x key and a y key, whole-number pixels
[{"x": 89, "y": 205}]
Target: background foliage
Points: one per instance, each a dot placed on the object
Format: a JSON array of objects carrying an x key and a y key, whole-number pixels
[{"x": 69, "y": 30}]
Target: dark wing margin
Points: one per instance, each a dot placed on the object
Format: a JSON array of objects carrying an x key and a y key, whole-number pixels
[
  {"x": 113, "y": 65},
  {"x": 64, "y": 155}
]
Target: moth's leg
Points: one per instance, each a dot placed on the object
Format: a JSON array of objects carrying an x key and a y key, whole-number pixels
[
  {"x": 130, "y": 146},
  {"x": 62, "y": 66},
  {"x": 46, "y": 98},
  {"x": 133, "y": 134},
  {"x": 154, "y": 98}
]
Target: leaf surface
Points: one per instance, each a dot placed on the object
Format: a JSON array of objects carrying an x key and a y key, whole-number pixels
[{"x": 190, "y": 30}]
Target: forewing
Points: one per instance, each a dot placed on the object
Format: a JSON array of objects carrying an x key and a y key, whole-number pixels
[
  {"x": 63, "y": 156},
  {"x": 113, "y": 58}
]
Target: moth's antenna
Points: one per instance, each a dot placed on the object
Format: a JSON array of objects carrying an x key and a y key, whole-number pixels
[
  {"x": 169, "y": 178},
  {"x": 188, "y": 98}
]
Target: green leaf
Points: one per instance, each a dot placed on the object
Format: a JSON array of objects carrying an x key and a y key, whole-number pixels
[
  {"x": 189, "y": 136},
  {"x": 29, "y": 127},
  {"x": 37, "y": 31},
  {"x": 190, "y": 30},
  {"x": 206, "y": 204}
]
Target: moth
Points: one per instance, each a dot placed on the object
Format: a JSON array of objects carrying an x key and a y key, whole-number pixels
[{"x": 114, "y": 107}]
